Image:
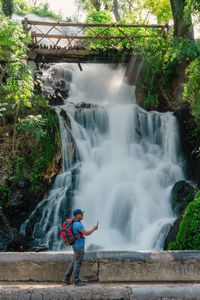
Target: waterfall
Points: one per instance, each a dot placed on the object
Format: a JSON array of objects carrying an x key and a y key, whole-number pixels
[{"x": 120, "y": 163}]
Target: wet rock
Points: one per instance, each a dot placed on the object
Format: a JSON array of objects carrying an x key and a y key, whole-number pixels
[
  {"x": 46, "y": 66},
  {"x": 67, "y": 75},
  {"x": 60, "y": 84},
  {"x": 4, "y": 237},
  {"x": 63, "y": 92},
  {"x": 38, "y": 249},
  {"x": 38, "y": 88},
  {"x": 66, "y": 118},
  {"x": 85, "y": 105},
  {"x": 181, "y": 195},
  {"x": 16, "y": 241},
  {"x": 56, "y": 99},
  {"x": 171, "y": 237},
  {"x": 190, "y": 143}
]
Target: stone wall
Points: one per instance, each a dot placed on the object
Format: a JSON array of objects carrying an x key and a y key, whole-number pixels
[{"x": 103, "y": 266}]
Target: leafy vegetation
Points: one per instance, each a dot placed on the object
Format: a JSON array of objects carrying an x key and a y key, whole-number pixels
[
  {"x": 22, "y": 8},
  {"x": 188, "y": 237},
  {"x": 7, "y": 7},
  {"x": 135, "y": 9},
  {"x": 28, "y": 127},
  {"x": 191, "y": 88}
]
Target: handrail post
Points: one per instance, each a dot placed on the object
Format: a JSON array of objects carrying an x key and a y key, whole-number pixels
[{"x": 25, "y": 25}]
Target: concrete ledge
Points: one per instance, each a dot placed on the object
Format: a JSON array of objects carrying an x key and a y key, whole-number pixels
[
  {"x": 103, "y": 266},
  {"x": 48, "y": 291}
]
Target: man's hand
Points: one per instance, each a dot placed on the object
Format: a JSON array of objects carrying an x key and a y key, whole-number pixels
[{"x": 86, "y": 233}]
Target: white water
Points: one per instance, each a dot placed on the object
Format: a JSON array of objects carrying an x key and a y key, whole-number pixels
[{"x": 127, "y": 163}]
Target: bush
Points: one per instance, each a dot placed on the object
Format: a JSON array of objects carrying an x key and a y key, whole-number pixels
[
  {"x": 188, "y": 237},
  {"x": 191, "y": 88},
  {"x": 42, "y": 10}
]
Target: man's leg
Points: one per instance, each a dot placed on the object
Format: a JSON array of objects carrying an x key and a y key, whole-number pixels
[
  {"x": 69, "y": 272},
  {"x": 78, "y": 258}
]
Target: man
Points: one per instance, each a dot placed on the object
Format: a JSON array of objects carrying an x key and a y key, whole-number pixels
[{"x": 78, "y": 248}]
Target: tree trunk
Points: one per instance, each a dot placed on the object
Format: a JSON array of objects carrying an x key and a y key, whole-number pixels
[
  {"x": 116, "y": 10},
  {"x": 182, "y": 25},
  {"x": 97, "y": 4}
]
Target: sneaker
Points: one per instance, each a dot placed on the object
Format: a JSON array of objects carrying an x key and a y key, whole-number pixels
[
  {"x": 79, "y": 283},
  {"x": 67, "y": 281}
]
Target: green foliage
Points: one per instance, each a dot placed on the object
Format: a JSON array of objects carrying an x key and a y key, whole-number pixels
[
  {"x": 192, "y": 91},
  {"x": 151, "y": 101},
  {"x": 162, "y": 58},
  {"x": 161, "y": 9},
  {"x": 188, "y": 237},
  {"x": 7, "y": 7},
  {"x": 192, "y": 7},
  {"x": 43, "y": 10},
  {"x": 37, "y": 144},
  {"x": 21, "y": 7},
  {"x": 5, "y": 193},
  {"x": 105, "y": 17},
  {"x": 139, "y": 10},
  {"x": 28, "y": 126},
  {"x": 19, "y": 83}
]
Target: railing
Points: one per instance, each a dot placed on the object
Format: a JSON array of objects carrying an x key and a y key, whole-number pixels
[{"x": 60, "y": 35}]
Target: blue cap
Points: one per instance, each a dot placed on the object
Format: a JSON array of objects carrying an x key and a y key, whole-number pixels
[{"x": 78, "y": 211}]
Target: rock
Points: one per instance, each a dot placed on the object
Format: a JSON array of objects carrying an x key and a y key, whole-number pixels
[
  {"x": 16, "y": 200},
  {"x": 190, "y": 143},
  {"x": 23, "y": 183},
  {"x": 4, "y": 237},
  {"x": 38, "y": 88},
  {"x": 63, "y": 92},
  {"x": 38, "y": 249},
  {"x": 85, "y": 105},
  {"x": 56, "y": 99},
  {"x": 60, "y": 84},
  {"x": 65, "y": 116},
  {"x": 171, "y": 237},
  {"x": 16, "y": 241},
  {"x": 181, "y": 195}
]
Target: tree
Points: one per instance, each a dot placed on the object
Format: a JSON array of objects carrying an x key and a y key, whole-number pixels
[
  {"x": 139, "y": 10},
  {"x": 34, "y": 2},
  {"x": 182, "y": 19},
  {"x": 7, "y": 7},
  {"x": 98, "y": 5}
]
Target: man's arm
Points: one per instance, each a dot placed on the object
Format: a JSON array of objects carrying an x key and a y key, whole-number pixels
[{"x": 86, "y": 233}]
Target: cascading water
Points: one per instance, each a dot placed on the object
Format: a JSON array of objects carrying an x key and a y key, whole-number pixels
[{"x": 119, "y": 165}]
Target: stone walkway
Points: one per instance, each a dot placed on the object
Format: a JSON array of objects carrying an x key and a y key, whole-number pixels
[{"x": 59, "y": 291}]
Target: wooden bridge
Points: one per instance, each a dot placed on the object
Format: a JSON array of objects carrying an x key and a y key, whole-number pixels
[{"x": 78, "y": 42}]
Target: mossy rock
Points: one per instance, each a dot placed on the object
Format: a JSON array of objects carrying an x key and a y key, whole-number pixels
[{"x": 181, "y": 195}]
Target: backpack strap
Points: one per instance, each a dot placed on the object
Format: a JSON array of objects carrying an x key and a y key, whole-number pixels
[{"x": 77, "y": 235}]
